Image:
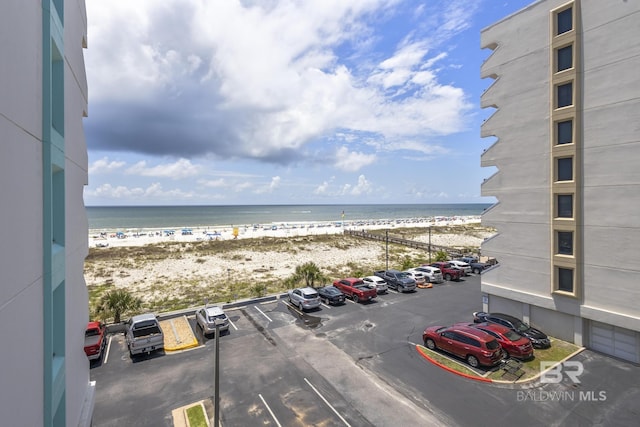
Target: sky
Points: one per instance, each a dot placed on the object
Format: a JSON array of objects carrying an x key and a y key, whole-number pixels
[{"x": 245, "y": 102}]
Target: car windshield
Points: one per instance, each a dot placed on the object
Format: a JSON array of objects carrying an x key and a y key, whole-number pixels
[
  {"x": 311, "y": 295},
  {"x": 91, "y": 332},
  {"x": 402, "y": 275},
  {"x": 331, "y": 291},
  {"x": 520, "y": 326},
  {"x": 218, "y": 317},
  {"x": 512, "y": 336},
  {"x": 492, "y": 345}
]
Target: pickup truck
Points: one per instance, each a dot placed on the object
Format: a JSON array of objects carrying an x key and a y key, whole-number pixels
[
  {"x": 476, "y": 266},
  {"x": 449, "y": 271},
  {"x": 398, "y": 280},
  {"x": 94, "y": 340},
  {"x": 356, "y": 289},
  {"x": 144, "y": 334}
]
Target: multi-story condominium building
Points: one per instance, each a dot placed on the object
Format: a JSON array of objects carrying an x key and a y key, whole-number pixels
[
  {"x": 567, "y": 126},
  {"x": 44, "y": 373}
]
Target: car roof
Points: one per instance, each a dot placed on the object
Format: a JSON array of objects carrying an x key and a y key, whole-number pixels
[
  {"x": 144, "y": 316},
  {"x": 308, "y": 290},
  {"x": 213, "y": 310},
  {"x": 508, "y": 317},
  {"x": 472, "y": 331},
  {"x": 493, "y": 327},
  {"x": 374, "y": 278}
]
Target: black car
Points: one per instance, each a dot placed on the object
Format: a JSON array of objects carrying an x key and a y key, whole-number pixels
[
  {"x": 331, "y": 295},
  {"x": 538, "y": 338}
]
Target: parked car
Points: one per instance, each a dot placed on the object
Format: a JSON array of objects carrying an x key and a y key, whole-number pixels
[
  {"x": 143, "y": 334},
  {"x": 304, "y": 298},
  {"x": 94, "y": 340},
  {"x": 466, "y": 268},
  {"x": 538, "y": 338},
  {"x": 418, "y": 276},
  {"x": 397, "y": 280},
  {"x": 477, "y": 267},
  {"x": 514, "y": 344},
  {"x": 376, "y": 283},
  {"x": 431, "y": 274},
  {"x": 208, "y": 317},
  {"x": 331, "y": 295},
  {"x": 355, "y": 289},
  {"x": 477, "y": 347},
  {"x": 449, "y": 271}
]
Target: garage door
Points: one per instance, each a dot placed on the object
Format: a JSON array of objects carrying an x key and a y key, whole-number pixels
[{"x": 615, "y": 341}]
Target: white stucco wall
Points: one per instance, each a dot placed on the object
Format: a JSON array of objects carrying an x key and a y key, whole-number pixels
[
  {"x": 609, "y": 177},
  {"x": 21, "y": 238}
]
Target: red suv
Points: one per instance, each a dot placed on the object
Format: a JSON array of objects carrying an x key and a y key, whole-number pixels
[
  {"x": 449, "y": 271},
  {"x": 514, "y": 344},
  {"x": 475, "y": 346}
]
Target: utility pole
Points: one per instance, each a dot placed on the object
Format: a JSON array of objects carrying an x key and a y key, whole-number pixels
[
  {"x": 386, "y": 232},
  {"x": 429, "y": 244}
]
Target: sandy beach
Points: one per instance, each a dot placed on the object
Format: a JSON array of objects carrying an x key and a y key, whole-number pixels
[{"x": 170, "y": 269}]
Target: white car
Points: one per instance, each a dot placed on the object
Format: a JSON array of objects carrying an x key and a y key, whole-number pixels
[
  {"x": 418, "y": 276},
  {"x": 377, "y": 283},
  {"x": 208, "y": 317},
  {"x": 466, "y": 268},
  {"x": 432, "y": 274}
]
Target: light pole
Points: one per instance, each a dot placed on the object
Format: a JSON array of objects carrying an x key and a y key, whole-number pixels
[
  {"x": 429, "y": 244},
  {"x": 216, "y": 408},
  {"x": 386, "y": 232}
]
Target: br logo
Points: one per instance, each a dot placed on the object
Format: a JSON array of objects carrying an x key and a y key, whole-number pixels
[{"x": 552, "y": 372}]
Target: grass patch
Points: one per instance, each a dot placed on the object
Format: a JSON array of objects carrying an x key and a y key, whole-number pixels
[
  {"x": 196, "y": 416},
  {"x": 558, "y": 351}
]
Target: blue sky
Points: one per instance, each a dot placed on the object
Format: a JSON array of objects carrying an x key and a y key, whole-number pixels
[{"x": 228, "y": 102}]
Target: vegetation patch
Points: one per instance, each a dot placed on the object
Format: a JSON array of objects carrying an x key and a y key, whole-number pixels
[{"x": 196, "y": 416}]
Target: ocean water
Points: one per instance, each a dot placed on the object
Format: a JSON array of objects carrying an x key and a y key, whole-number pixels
[{"x": 138, "y": 217}]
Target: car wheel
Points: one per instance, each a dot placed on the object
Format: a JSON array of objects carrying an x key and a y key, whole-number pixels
[
  {"x": 290, "y": 302},
  {"x": 430, "y": 344},
  {"x": 300, "y": 306},
  {"x": 447, "y": 276},
  {"x": 476, "y": 271},
  {"x": 355, "y": 298},
  {"x": 400, "y": 289},
  {"x": 472, "y": 361}
]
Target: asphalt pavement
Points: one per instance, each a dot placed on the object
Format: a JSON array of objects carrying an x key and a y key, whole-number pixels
[{"x": 351, "y": 365}]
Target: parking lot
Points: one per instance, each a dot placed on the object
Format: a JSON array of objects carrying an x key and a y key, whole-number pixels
[{"x": 350, "y": 365}]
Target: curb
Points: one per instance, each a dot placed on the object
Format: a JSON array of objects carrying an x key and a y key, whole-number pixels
[{"x": 440, "y": 365}]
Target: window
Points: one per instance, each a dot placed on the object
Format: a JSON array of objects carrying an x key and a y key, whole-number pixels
[
  {"x": 565, "y": 206},
  {"x": 565, "y": 169},
  {"x": 565, "y": 279},
  {"x": 565, "y": 20},
  {"x": 564, "y": 95},
  {"x": 564, "y": 58},
  {"x": 565, "y": 132},
  {"x": 565, "y": 242}
]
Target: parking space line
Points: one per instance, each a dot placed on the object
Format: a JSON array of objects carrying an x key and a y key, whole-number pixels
[
  {"x": 270, "y": 411},
  {"x": 232, "y": 324},
  {"x": 106, "y": 355},
  {"x": 324, "y": 305},
  {"x": 328, "y": 404},
  {"x": 262, "y": 312}
]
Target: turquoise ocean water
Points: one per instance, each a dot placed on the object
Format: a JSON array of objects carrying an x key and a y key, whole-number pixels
[{"x": 138, "y": 217}]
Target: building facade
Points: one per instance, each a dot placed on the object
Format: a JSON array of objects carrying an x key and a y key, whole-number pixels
[
  {"x": 44, "y": 377},
  {"x": 566, "y": 95}
]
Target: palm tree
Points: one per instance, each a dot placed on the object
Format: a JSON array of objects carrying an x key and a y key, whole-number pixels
[
  {"x": 117, "y": 302},
  {"x": 309, "y": 272}
]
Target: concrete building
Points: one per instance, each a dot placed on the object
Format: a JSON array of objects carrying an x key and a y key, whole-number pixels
[
  {"x": 44, "y": 373},
  {"x": 567, "y": 149}
]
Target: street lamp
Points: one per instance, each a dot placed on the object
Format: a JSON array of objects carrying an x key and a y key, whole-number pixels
[{"x": 386, "y": 232}]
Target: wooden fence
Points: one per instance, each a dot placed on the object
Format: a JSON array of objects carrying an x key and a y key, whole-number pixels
[{"x": 453, "y": 252}]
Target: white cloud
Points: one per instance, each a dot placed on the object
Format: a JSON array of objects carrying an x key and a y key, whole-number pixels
[
  {"x": 274, "y": 184},
  {"x": 352, "y": 161},
  {"x": 182, "y": 168},
  {"x": 153, "y": 192},
  {"x": 105, "y": 166},
  {"x": 260, "y": 80},
  {"x": 362, "y": 187}
]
